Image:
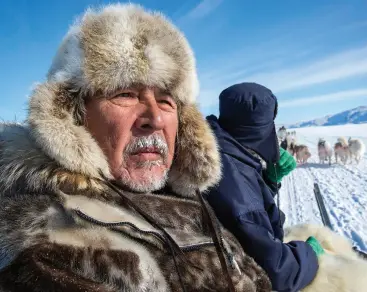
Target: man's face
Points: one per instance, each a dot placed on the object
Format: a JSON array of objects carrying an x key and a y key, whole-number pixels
[{"x": 136, "y": 128}]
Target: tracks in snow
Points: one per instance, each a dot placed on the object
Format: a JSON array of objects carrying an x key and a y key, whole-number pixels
[
  {"x": 344, "y": 189},
  {"x": 298, "y": 199}
]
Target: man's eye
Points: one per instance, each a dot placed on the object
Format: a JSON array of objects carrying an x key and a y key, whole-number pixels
[
  {"x": 124, "y": 94},
  {"x": 165, "y": 101}
]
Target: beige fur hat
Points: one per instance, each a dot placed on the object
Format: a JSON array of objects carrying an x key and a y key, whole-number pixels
[{"x": 113, "y": 48}]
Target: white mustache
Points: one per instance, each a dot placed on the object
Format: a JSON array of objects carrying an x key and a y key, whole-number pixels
[{"x": 156, "y": 141}]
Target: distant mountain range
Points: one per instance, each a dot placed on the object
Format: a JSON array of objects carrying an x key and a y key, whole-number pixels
[{"x": 354, "y": 116}]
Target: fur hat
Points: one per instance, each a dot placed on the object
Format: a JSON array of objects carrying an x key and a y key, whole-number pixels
[{"x": 113, "y": 48}]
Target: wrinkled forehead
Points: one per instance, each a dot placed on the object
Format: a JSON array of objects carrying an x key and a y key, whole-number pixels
[{"x": 138, "y": 88}]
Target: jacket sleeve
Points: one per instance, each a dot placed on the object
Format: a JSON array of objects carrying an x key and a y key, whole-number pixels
[{"x": 239, "y": 205}]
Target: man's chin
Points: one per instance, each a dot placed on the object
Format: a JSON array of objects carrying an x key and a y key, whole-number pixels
[{"x": 143, "y": 181}]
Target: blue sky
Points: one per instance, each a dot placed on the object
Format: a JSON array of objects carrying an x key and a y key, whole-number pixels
[{"x": 312, "y": 54}]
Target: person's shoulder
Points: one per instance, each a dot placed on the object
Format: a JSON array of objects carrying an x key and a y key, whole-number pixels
[{"x": 221, "y": 134}]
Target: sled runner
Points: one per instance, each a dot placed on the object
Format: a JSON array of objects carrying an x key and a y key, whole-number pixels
[{"x": 320, "y": 203}]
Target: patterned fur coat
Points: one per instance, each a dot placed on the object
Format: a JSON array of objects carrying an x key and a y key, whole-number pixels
[
  {"x": 63, "y": 231},
  {"x": 64, "y": 224}
]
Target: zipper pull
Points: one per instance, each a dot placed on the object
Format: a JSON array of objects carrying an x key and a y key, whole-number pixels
[{"x": 233, "y": 263}]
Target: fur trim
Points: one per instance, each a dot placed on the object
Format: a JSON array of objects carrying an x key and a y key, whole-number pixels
[
  {"x": 121, "y": 45},
  {"x": 343, "y": 271},
  {"x": 54, "y": 128},
  {"x": 21, "y": 161},
  {"x": 24, "y": 166},
  {"x": 197, "y": 163}
]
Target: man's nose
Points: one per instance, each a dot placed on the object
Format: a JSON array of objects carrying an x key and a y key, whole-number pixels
[{"x": 151, "y": 118}]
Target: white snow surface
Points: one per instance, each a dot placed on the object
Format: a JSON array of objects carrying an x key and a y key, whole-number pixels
[{"x": 344, "y": 188}]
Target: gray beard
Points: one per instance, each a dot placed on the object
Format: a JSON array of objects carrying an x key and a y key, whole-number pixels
[{"x": 150, "y": 185}]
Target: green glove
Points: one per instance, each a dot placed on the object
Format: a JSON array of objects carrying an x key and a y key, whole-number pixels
[
  {"x": 286, "y": 164},
  {"x": 316, "y": 246}
]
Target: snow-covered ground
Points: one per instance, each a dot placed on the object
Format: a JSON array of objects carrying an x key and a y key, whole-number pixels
[{"x": 344, "y": 188}]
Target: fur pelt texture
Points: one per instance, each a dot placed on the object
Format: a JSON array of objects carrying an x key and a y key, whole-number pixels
[
  {"x": 46, "y": 245},
  {"x": 342, "y": 270},
  {"x": 113, "y": 48}
]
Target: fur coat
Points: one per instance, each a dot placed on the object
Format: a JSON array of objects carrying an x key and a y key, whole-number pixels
[{"x": 63, "y": 231}]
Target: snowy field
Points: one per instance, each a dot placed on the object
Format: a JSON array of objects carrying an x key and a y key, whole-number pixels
[{"x": 344, "y": 188}]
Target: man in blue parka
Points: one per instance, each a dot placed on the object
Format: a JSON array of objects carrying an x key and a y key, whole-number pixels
[{"x": 252, "y": 169}]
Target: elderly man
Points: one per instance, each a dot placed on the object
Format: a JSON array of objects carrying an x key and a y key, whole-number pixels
[{"x": 100, "y": 190}]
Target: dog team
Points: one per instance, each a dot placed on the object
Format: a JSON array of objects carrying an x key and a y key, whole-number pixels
[{"x": 352, "y": 149}]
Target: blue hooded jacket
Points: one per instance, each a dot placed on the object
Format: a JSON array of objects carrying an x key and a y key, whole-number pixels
[{"x": 242, "y": 200}]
